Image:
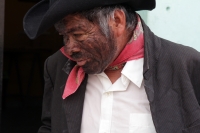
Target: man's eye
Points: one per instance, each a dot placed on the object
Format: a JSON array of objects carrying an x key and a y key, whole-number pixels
[
  {"x": 77, "y": 35},
  {"x": 80, "y": 37}
]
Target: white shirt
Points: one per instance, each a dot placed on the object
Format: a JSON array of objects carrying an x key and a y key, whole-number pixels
[{"x": 121, "y": 107}]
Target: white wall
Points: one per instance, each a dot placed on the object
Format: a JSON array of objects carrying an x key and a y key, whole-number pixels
[{"x": 176, "y": 20}]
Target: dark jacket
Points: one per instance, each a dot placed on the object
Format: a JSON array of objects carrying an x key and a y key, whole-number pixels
[{"x": 171, "y": 80}]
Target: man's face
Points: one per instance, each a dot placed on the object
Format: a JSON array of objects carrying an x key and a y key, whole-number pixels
[{"x": 87, "y": 45}]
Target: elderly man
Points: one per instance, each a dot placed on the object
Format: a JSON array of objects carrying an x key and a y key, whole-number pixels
[{"x": 113, "y": 75}]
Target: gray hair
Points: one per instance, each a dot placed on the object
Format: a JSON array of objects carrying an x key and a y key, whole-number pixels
[{"x": 102, "y": 15}]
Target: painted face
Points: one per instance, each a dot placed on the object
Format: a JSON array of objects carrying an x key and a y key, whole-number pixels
[{"x": 87, "y": 45}]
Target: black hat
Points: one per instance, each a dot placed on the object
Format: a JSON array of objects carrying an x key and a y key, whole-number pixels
[{"x": 46, "y": 13}]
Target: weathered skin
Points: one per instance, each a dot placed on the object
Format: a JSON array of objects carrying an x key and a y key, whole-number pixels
[{"x": 87, "y": 45}]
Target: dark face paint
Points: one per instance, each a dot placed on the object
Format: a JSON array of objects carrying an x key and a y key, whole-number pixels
[{"x": 87, "y": 45}]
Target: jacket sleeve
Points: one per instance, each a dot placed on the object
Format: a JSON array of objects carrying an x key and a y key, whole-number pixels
[{"x": 46, "y": 105}]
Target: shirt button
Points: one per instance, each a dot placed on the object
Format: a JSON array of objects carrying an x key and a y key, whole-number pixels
[{"x": 108, "y": 94}]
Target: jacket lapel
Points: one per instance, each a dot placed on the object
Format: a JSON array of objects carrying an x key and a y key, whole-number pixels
[
  {"x": 73, "y": 104},
  {"x": 73, "y": 107},
  {"x": 152, "y": 51},
  {"x": 148, "y": 63}
]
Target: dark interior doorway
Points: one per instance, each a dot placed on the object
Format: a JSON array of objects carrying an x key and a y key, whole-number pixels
[{"x": 23, "y": 70}]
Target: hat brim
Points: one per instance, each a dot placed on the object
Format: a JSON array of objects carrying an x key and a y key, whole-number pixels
[{"x": 41, "y": 17}]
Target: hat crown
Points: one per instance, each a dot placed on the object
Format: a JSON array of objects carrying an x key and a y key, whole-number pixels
[{"x": 46, "y": 13}]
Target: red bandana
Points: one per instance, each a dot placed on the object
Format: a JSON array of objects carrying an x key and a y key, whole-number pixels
[{"x": 132, "y": 51}]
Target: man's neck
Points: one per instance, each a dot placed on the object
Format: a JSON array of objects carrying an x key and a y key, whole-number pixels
[{"x": 113, "y": 75}]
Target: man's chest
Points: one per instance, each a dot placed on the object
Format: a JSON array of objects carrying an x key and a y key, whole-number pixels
[{"x": 115, "y": 108}]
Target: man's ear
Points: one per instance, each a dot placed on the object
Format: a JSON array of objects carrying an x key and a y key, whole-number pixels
[{"x": 118, "y": 23}]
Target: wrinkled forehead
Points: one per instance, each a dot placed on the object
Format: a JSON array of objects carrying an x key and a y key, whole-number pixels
[
  {"x": 73, "y": 18},
  {"x": 73, "y": 21}
]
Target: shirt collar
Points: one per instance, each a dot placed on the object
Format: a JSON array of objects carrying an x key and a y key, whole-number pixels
[{"x": 133, "y": 70}]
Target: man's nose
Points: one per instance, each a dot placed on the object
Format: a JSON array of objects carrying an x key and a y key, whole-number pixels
[{"x": 71, "y": 46}]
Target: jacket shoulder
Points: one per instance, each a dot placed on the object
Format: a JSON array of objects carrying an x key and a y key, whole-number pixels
[
  {"x": 54, "y": 63},
  {"x": 56, "y": 58},
  {"x": 178, "y": 51}
]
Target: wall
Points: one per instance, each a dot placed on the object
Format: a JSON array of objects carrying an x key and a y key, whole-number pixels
[{"x": 176, "y": 20}]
